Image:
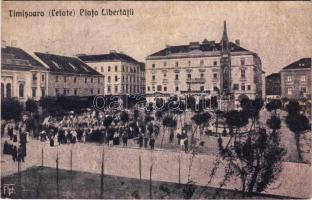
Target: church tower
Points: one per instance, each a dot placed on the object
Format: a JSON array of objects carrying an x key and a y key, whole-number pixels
[{"x": 225, "y": 63}]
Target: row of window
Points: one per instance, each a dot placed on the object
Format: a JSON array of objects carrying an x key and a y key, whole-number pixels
[
  {"x": 34, "y": 77},
  {"x": 75, "y": 79},
  {"x": 125, "y": 88},
  {"x": 201, "y": 63},
  {"x": 202, "y": 88},
  {"x": 202, "y": 75},
  {"x": 243, "y": 87},
  {"x": 159, "y": 88},
  {"x": 124, "y": 79},
  {"x": 302, "y": 78},
  {"x": 66, "y": 91},
  {"x": 290, "y": 90},
  {"x": 124, "y": 69}
]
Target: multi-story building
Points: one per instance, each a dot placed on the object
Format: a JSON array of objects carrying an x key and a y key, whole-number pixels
[
  {"x": 22, "y": 76},
  {"x": 273, "y": 84},
  {"x": 69, "y": 76},
  {"x": 123, "y": 74},
  {"x": 202, "y": 68},
  {"x": 296, "y": 79}
]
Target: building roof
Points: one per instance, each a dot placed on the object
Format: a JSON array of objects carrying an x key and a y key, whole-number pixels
[
  {"x": 17, "y": 59},
  {"x": 303, "y": 63},
  {"x": 205, "y": 46},
  {"x": 273, "y": 75},
  {"x": 65, "y": 64},
  {"x": 112, "y": 56}
]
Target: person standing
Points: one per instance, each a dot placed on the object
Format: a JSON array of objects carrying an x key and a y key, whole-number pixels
[
  {"x": 140, "y": 138},
  {"x": 152, "y": 141},
  {"x": 125, "y": 137}
]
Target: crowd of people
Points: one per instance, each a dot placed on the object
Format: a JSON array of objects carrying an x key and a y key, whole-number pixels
[
  {"x": 16, "y": 144},
  {"x": 89, "y": 126},
  {"x": 103, "y": 127}
]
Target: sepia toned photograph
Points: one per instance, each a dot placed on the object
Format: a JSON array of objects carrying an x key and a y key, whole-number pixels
[{"x": 156, "y": 100}]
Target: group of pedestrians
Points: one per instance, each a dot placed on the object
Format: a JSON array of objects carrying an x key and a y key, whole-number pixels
[
  {"x": 92, "y": 126},
  {"x": 16, "y": 145}
]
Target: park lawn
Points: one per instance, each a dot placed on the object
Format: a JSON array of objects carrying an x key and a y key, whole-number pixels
[{"x": 41, "y": 183}]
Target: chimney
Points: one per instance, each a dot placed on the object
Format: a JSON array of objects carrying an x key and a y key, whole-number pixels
[
  {"x": 237, "y": 42},
  {"x": 112, "y": 51},
  {"x": 3, "y": 44},
  {"x": 13, "y": 43}
]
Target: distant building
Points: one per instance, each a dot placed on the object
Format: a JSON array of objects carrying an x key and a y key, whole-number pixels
[
  {"x": 69, "y": 76},
  {"x": 296, "y": 79},
  {"x": 22, "y": 76},
  {"x": 123, "y": 74},
  {"x": 273, "y": 84},
  {"x": 201, "y": 69}
]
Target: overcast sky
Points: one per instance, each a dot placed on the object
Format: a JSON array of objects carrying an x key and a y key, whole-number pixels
[{"x": 280, "y": 32}]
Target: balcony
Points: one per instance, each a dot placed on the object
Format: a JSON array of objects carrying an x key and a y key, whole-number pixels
[
  {"x": 195, "y": 80},
  {"x": 165, "y": 81}
]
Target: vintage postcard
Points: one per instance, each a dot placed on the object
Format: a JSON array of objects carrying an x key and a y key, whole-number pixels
[{"x": 153, "y": 100}]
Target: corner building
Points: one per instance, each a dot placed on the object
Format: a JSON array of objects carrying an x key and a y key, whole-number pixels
[
  {"x": 123, "y": 74},
  {"x": 205, "y": 69}
]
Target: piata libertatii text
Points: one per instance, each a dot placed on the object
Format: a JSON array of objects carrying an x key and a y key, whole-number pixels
[{"x": 72, "y": 12}]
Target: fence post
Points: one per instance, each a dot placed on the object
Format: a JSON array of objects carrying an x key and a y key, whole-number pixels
[
  {"x": 71, "y": 160},
  {"x": 102, "y": 175},
  {"x": 140, "y": 167},
  {"x": 19, "y": 179},
  {"x": 57, "y": 175},
  {"x": 150, "y": 185},
  {"x": 180, "y": 169},
  {"x": 42, "y": 158}
]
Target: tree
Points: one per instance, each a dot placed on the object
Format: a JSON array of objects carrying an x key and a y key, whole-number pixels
[
  {"x": 200, "y": 120},
  {"x": 293, "y": 107},
  {"x": 273, "y": 105},
  {"x": 274, "y": 123},
  {"x": 298, "y": 124},
  {"x": 235, "y": 119},
  {"x": 252, "y": 109},
  {"x": 256, "y": 160},
  {"x": 11, "y": 109},
  {"x": 31, "y": 106}
]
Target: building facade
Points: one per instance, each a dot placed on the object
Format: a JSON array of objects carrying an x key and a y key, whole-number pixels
[
  {"x": 273, "y": 84},
  {"x": 204, "y": 69},
  {"x": 22, "y": 76},
  {"x": 296, "y": 79},
  {"x": 69, "y": 76},
  {"x": 123, "y": 74}
]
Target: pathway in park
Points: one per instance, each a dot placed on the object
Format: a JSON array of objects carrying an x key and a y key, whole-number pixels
[{"x": 294, "y": 181}]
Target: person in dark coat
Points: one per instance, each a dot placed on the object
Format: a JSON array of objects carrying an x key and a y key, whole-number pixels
[
  {"x": 141, "y": 140},
  {"x": 171, "y": 136},
  {"x": 186, "y": 145},
  {"x": 10, "y": 132},
  {"x": 152, "y": 141},
  {"x": 14, "y": 153},
  {"x": 125, "y": 138},
  {"x": 52, "y": 142}
]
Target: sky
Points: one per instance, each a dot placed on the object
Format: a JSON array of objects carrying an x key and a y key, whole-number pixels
[{"x": 279, "y": 32}]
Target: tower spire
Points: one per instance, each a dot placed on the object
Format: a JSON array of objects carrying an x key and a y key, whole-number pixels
[{"x": 224, "y": 36}]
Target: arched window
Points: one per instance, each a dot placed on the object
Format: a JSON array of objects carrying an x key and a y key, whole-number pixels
[
  {"x": 8, "y": 90},
  {"x": 21, "y": 90}
]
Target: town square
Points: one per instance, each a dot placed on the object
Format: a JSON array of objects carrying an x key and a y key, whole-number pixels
[{"x": 154, "y": 105}]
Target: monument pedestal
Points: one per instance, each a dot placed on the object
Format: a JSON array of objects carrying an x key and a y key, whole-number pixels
[{"x": 226, "y": 104}]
